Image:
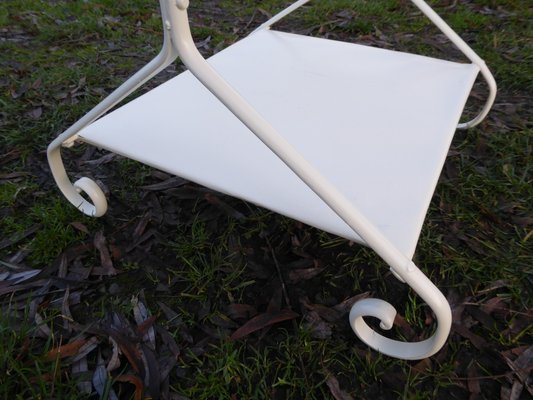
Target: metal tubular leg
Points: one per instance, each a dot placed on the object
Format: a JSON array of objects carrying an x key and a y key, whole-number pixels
[
  {"x": 400, "y": 264},
  {"x": 98, "y": 207}
]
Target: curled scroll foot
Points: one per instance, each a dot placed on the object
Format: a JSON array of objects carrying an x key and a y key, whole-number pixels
[
  {"x": 386, "y": 313},
  {"x": 97, "y": 206},
  {"x": 97, "y": 196}
]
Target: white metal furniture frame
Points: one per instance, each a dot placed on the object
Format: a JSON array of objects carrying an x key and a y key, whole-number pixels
[{"x": 347, "y": 138}]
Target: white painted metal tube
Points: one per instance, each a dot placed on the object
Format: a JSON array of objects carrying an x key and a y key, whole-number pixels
[
  {"x": 401, "y": 265},
  {"x": 98, "y": 207},
  {"x": 282, "y": 14},
  {"x": 468, "y": 52}
]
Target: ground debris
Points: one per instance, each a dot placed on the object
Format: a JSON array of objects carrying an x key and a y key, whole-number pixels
[
  {"x": 334, "y": 387},
  {"x": 100, "y": 244},
  {"x": 133, "y": 316},
  {"x": 261, "y": 321}
]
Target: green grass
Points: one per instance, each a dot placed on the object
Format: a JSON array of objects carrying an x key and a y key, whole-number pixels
[
  {"x": 25, "y": 372},
  {"x": 61, "y": 58}
]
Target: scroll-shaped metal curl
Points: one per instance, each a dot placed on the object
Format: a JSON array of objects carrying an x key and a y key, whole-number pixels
[
  {"x": 386, "y": 313},
  {"x": 72, "y": 192}
]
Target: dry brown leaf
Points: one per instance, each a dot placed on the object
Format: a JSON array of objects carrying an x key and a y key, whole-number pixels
[
  {"x": 42, "y": 328},
  {"x": 65, "y": 311},
  {"x": 327, "y": 313},
  {"x": 166, "y": 365},
  {"x": 36, "y": 113},
  {"x": 520, "y": 322},
  {"x": 152, "y": 377},
  {"x": 146, "y": 327},
  {"x": 515, "y": 352},
  {"x": 114, "y": 361},
  {"x": 274, "y": 305},
  {"x": 522, "y": 368},
  {"x": 298, "y": 275},
  {"x": 145, "y": 236},
  {"x": 203, "y": 44},
  {"x": 130, "y": 350},
  {"x": 479, "y": 342},
  {"x": 100, "y": 161},
  {"x": 169, "y": 340},
  {"x": 336, "y": 391},
  {"x": 37, "y": 83},
  {"x": 66, "y": 350},
  {"x": 19, "y": 277},
  {"x": 99, "y": 381},
  {"x": 457, "y": 304},
  {"x": 19, "y": 236},
  {"x": 62, "y": 269},
  {"x": 495, "y": 303},
  {"x": 172, "y": 316},
  {"x": 222, "y": 321},
  {"x": 346, "y": 305},
  {"x": 264, "y": 12},
  {"x": 144, "y": 321},
  {"x": 262, "y": 321},
  {"x": 141, "y": 226},
  {"x": 516, "y": 390},
  {"x": 482, "y": 317},
  {"x": 505, "y": 393},
  {"x": 525, "y": 360},
  {"x": 240, "y": 311},
  {"x": 404, "y": 327},
  {"x": 79, "y": 368},
  {"x": 47, "y": 377},
  {"x": 473, "y": 382},
  {"x": 105, "y": 257},
  {"x": 84, "y": 350},
  {"x": 168, "y": 184},
  {"x": 318, "y": 328},
  {"x": 80, "y": 227},
  {"x": 134, "y": 380},
  {"x": 226, "y": 208},
  {"x": 423, "y": 366}
]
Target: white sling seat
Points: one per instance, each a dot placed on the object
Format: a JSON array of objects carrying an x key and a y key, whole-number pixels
[
  {"x": 347, "y": 138},
  {"x": 376, "y": 123}
]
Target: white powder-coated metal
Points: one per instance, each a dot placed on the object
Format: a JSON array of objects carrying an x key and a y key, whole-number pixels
[{"x": 305, "y": 159}]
